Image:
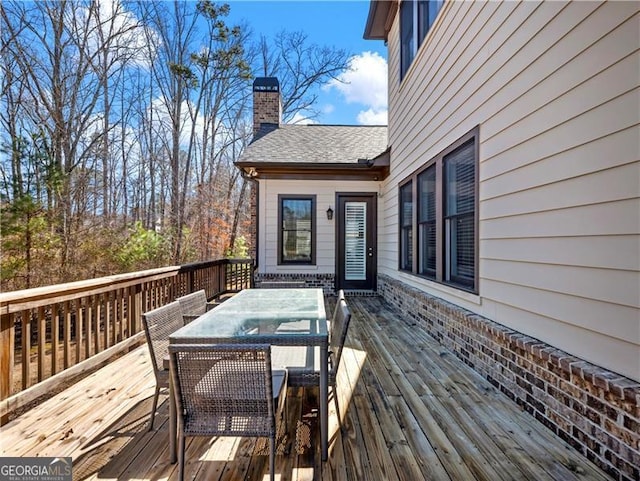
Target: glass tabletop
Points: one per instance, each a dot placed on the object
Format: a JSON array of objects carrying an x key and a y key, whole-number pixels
[{"x": 260, "y": 315}]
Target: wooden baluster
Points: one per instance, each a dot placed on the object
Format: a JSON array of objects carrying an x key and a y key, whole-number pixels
[
  {"x": 26, "y": 348},
  {"x": 99, "y": 314},
  {"x": 121, "y": 315},
  {"x": 67, "y": 334},
  {"x": 55, "y": 338},
  {"x": 117, "y": 316},
  {"x": 79, "y": 329},
  {"x": 88, "y": 336},
  {"x": 134, "y": 309},
  {"x": 107, "y": 319},
  {"x": 42, "y": 343}
]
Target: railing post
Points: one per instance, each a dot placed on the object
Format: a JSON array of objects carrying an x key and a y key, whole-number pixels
[
  {"x": 136, "y": 309},
  {"x": 6, "y": 358}
]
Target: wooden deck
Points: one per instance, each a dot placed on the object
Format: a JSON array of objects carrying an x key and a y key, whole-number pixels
[{"x": 411, "y": 411}]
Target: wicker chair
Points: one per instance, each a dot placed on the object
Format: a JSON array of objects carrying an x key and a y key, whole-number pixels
[
  {"x": 226, "y": 390},
  {"x": 194, "y": 305},
  {"x": 309, "y": 376},
  {"x": 341, "y": 297},
  {"x": 158, "y": 325}
]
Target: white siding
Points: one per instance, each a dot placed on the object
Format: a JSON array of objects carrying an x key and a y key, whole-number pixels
[
  {"x": 325, "y": 192},
  {"x": 554, "y": 87}
]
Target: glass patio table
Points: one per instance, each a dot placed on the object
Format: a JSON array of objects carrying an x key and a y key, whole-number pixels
[{"x": 279, "y": 317}]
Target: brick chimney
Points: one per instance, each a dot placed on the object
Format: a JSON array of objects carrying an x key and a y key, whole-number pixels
[{"x": 267, "y": 109}]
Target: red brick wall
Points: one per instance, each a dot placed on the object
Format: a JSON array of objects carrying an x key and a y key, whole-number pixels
[
  {"x": 324, "y": 281},
  {"x": 266, "y": 109}
]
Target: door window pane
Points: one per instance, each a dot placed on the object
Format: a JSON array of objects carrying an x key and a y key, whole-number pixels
[{"x": 355, "y": 244}]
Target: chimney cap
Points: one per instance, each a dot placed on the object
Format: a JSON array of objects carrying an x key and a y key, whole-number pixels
[{"x": 266, "y": 84}]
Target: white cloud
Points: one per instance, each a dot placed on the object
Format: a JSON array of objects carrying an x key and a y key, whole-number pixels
[
  {"x": 365, "y": 83},
  {"x": 299, "y": 118},
  {"x": 372, "y": 117},
  {"x": 128, "y": 39},
  {"x": 161, "y": 120},
  {"x": 327, "y": 109}
]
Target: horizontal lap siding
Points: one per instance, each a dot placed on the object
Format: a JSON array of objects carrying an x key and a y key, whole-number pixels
[
  {"x": 614, "y": 320},
  {"x": 584, "y": 251},
  {"x": 554, "y": 89},
  {"x": 592, "y": 156}
]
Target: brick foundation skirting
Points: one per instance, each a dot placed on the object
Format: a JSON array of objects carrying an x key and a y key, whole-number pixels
[
  {"x": 594, "y": 410},
  {"x": 324, "y": 281}
]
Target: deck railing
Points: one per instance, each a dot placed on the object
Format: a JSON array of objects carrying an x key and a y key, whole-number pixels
[{"x": 50, "y": 334}]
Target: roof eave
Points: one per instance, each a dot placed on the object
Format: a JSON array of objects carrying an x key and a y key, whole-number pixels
[
  {"x": 301, "y": 170},
  {"x": 380, "y": 18}
]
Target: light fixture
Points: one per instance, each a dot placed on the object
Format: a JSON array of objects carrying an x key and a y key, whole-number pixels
[{"x": 329, "y": 213}]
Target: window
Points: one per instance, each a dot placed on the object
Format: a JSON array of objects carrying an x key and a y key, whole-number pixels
[
  {"x": 416, "y": 18},
  {"x": 446, "y": 217},
  {"x": 406, "y": 227},
  {"x": 459, "y": 219},
  {"x": 427, "y": 222},
  {"x": 296, "y": 239},
  {"x": 407, "y": 40}
]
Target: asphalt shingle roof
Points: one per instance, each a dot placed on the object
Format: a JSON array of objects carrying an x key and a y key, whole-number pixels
[{"x": 327, "y": 144}]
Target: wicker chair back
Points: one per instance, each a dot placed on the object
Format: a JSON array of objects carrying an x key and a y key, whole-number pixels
[{"x": 226, "y": 390}]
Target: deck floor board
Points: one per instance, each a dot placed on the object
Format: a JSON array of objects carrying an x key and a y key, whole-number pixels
[{"x": 409, "y": 410}]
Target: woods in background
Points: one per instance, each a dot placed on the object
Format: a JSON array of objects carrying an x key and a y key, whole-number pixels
[{"x": 121, "y": 123}]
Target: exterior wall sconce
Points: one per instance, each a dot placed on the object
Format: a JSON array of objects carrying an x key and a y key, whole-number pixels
[{"x": 329, "y": 213}]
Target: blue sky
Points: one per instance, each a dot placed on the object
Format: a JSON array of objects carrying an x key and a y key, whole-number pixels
[{"x": 338, "y": 23}]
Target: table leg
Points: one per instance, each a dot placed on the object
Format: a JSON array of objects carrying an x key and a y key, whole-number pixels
[
  {"x": 173, "y": 424},
  {"x": 324, "y": 402}
]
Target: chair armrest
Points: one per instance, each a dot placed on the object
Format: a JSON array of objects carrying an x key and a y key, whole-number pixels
[
  {"x": 187, "y": 318},
  {"x": 279, "y": 381},
  {"x": 212, "y": 304}
]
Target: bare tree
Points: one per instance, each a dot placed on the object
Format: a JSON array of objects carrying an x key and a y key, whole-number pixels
[
  {"x": 68, "y": 52},
  {"x": 191, "y": 78},
  {"x": 127, "y": 111},
  {"x": 301, "y": 67},
  {"x": 57, "y": 99}
]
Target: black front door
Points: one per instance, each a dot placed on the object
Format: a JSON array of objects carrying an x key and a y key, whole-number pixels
[{"x": 356, "y": 247}]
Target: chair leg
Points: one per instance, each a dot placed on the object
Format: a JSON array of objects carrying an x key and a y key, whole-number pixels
[
  {"x": 181, "y": 457},
  {"x": 335, "y": 400},
  {"x": 154, "y": 407},
  {"x": 285, "y": 412},
  {"x": 272, "y": 457},
  {"x": 282, "y": 427}
]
